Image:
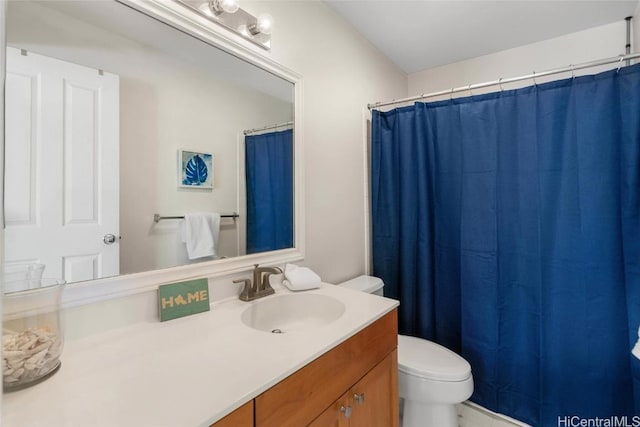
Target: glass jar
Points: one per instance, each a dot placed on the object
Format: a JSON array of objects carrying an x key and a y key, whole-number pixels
[
  {"x": 32, "y": 332},
  {"x": 19, "y": 277}
]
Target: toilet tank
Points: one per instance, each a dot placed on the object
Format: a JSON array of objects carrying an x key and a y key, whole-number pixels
[{"x": 369, "y": 284}]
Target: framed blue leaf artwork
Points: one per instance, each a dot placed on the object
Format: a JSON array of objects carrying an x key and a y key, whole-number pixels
[{"x": 195, "y": 169}]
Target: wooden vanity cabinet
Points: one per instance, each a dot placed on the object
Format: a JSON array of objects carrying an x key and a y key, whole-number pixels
[
  {"x": 324, "y": 392},
  {"x": 354, "y": 384}
]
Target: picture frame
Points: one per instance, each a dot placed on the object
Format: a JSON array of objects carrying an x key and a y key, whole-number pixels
[{"x": 195, "y": 169}]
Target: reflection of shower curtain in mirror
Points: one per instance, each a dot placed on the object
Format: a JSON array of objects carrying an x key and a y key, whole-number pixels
[{"x": 269, "y": 174}]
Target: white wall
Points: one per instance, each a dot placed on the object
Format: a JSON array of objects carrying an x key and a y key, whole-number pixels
[
  {"x": 166, "y": 104},
  {"x": 583, "y": 46},
  {"x": 342, "y": 73}
]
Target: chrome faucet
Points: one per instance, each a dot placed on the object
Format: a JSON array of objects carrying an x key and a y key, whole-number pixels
[{"x": 260, "y": 286}]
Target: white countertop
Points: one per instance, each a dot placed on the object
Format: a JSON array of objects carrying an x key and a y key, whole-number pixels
[{"x": 185, "y": 372}]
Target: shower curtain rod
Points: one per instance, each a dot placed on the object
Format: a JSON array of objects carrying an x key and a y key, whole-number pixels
[
  {"x": 501, "y": 81},
  {"x": 247, "y": 132}
]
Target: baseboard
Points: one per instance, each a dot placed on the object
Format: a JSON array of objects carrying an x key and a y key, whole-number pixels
[{"x": 473, "y": 415}]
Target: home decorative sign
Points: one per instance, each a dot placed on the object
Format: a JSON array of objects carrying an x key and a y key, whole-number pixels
[
  {"x": 183, "y": 299},
  {"x": 195, "y": 169}
]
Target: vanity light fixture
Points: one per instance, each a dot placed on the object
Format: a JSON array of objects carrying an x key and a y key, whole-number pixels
[{"x": 229, "y": 14}]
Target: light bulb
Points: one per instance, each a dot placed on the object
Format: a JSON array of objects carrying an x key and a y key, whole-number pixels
[
  {"x": 217, "y": 7},
  {"x": 264, "y": 23},
  {"x": 229, "y": 6}
]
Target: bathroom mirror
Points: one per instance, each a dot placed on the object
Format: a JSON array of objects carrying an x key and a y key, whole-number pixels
[{"x": 124, "y": 117}]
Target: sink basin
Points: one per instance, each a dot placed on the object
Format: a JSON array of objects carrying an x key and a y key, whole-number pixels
[{"x": 292, "y": 313}]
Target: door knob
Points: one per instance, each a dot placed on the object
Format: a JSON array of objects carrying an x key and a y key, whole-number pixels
[{"x": 109, "y": 239}]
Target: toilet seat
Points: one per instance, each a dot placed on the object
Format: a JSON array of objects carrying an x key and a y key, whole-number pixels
[{"x": 426, "y": 359}]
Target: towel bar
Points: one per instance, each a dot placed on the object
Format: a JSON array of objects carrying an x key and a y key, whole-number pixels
[{"x": 157, "y": 217}]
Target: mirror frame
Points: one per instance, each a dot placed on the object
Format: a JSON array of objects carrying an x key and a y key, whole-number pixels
[{"x": 182, "y": 19}]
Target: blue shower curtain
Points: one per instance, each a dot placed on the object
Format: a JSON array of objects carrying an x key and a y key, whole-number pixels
[
  {"x": 508, "y": 226},
  {"x": 269, "y": 177}
]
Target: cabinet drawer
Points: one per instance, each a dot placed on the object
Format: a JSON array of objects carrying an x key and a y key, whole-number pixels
[{"x": 301, "y": 397}]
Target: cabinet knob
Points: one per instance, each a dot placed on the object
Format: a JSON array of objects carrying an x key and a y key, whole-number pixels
[
  {"x": 359, "y": 398},
  {"x": 346, "y": 410}
]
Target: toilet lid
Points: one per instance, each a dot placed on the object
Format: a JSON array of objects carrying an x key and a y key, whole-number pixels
[
  {"x": 427, "y": 359},
  {"x": 368, "y": 284}
]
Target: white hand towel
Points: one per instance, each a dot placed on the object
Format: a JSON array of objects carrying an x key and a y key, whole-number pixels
[
  {"x": 200, "y": 234},
  {"x": 300, "y": 278}
]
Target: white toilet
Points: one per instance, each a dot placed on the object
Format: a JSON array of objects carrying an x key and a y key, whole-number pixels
[{"x": 431, "y": 378}]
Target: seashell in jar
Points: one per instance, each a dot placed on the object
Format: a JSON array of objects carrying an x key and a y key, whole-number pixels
[{"x": 28, "y": 355}]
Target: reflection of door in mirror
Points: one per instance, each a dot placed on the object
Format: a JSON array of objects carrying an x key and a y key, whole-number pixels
[{"x": 61, "y": 188}]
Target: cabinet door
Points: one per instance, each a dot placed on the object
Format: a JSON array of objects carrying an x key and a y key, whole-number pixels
[
  {"x": 241, "y": 417},
  {"x": 375, "y": 397},
  {"x": 336, "y": 415}
]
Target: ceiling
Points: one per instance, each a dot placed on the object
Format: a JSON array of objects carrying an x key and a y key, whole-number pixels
[{"x": 421, "y": 34}]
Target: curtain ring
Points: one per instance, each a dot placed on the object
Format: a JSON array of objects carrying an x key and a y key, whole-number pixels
[
  {"x": 469, "y": 89},
  {"x": 573, "y": 74},
  {"x": 500, "y": 84},
  {"x": 534, "y": 79},
  {"x": 620, "y": 63},
  {"x": 451, "y": 95}
]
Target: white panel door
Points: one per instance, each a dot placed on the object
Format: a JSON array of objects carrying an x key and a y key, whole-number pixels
[{"x": 61, "y": 165}]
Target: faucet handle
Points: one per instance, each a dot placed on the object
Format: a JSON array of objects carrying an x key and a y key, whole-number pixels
[{"x": 246, "y": 292}]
